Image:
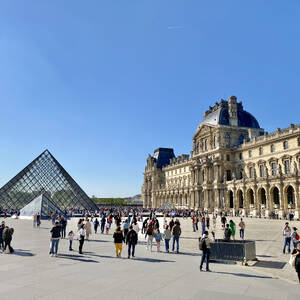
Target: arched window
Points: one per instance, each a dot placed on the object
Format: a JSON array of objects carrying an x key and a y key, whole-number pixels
[
  {"x": 285, "y": 145},
  {"x": 215, "y": 142},
  {"x": 287, "y": 166},
  {"x": 272, "y": 148},
  {"x": 262, "y": 171},
  {"x": 205, "y": 145}
]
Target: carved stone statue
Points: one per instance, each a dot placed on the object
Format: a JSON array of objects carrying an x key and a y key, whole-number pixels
[
  {"x": 267, "y": 172},
  {"x": 280, "y": 170},
  {"x": 295, "y": 168}
]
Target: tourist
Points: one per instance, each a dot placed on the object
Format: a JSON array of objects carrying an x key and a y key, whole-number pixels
[
  {"x": 63, "y": 226},
  {"x": 158, "y": 238},
  {"x": 287, "y": 238},
  {"x": 118, "y": 240},
  {"x": 171, "y": 224},
  {"x": 131, "y": 241},
  {"x": 38, "y": 220},
  {"x": 34, "y": 218},
  {"x": 223, "y": 221},
  {"x": 7, "y": 238},
  {"x": 205, "y": 247},
  {"x": 149, "y": 235},
  {"x": 214, "y": 218},
  {"x": 145, "y": 225},
  {"x": 232, "y": 228},
  {"x": 227, "y": 233},
  {"x": 207, "y": 221},
  {"x": 126, "y": 226},
  {"x": 135, "y": 226},
  {"x": 96, "y": 225},
  {"x": 79, "y": 224},
  {"x": 81, "y": 237},
  {"x": 1, "y": 233},
  {"x": 70, "y": 238},
  {"x": 167, "y": 237},
  {"x": 176, "y": 234},
  {"x": 55, "y": 236},
  {"x": 242, "y": 229},
  {"x": 194, "y": 223},
  {"x": 295, "y": 236},
  {"x": 296, "y": 255},
  {"x": 103, "y": 221},
  {"x": 203, "y": 225},
  {"x": 88, "y": 229}
]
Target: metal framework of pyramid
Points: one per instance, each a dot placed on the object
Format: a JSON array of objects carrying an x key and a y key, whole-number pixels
[
  {"x": 42, "y": 205},
  {"x": 166, "y": 206},
  {"x": 44, "y": 175}
]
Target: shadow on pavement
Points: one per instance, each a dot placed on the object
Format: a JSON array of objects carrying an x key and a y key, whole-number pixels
[
  {"x": 24, "y": 253},
  {"x": 186, "y": 253},
  {"x": 268, "y": 256},
  {"x": 270, "y": 264},
  {"x": 74, "y": 257},
  {"x": 98, "y": 241},
  {"x": 244, "y": 275},
  {"x": 153, "y": 260}
]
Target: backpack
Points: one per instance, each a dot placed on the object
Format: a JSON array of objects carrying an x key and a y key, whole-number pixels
[
  {"x": 202, "y": 244},
  {"x": 297, "y": 236}
]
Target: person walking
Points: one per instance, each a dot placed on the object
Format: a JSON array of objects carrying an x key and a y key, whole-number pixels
[
  {"x": 55, "y": 237},
  {"x": 88, "y": 229},
  {"x": 158, "y": 238},
  {"x": 118, "y": 240},
  {"x": 126, "y": 226},
  {"x": 203, "y": 225},
  {"x": 176, "y": 234},
  {"x": 295, "y": 237},
  {"x": 63, "y": 226},
  {"x": 167, "y": 236},
  {"x": 242, "y": 226},
  {"x": 103, "y": 221},
  {"x": 232, "y": 228},
  {"x": 135, "y": 226},
  {"x": 296, "y": 255},
  {"x": 34, "y": 220},
  {"x": 171, "y": 224},
  {"x": 223, "y": 221},
  {"x": 7, "y": 238},
  {"x": 149, "y": 235},
  {"x": 38, "y": 220},
  {"x": 207, "y": 221},
  {"x": 227, "y": 233},
  {"x": 96, "y": 225},
  {"x": 131, "y": 241},
  {"x": 81, "y": 237},
  {"x": 204, "y": 246},
  {"x": 70, "y": 238},
  {"x": 287, "y": 238},
  {"x": 1, "y": 233}
]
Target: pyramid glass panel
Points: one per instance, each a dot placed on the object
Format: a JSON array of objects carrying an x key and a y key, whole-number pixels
[{"x": 44, "y": 176}]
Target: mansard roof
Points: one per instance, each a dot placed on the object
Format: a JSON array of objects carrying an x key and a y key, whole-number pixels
[{"x": 219, "y": 115}]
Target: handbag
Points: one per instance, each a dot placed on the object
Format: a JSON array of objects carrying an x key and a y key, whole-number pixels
[{"x": 292, "y": 261}]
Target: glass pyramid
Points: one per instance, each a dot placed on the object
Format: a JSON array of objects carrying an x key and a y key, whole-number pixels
[
  {"x": 46, "y": 176},
  {"x": 42, "y": 205}
]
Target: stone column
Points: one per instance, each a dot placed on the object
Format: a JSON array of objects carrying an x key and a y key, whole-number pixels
[
  {"x": 281, "y": 201},
  {"x": 297, "y": 202}
]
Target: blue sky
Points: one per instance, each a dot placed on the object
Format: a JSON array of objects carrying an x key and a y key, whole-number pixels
[{"x": 103, "y": 83}]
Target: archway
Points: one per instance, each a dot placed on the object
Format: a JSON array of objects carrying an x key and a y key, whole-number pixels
[
  {"x": 275, "y": 196},
  {"x": 290, "y": 196},
  {"x": 250, "y": 197},
  {"x": 262, "y": 196},
  {"x": 240, "y": 199},
  {"x": 231, "y": 205}
]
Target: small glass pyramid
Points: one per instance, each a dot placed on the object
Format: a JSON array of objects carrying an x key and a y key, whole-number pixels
[{"x": 44, "y": 176}]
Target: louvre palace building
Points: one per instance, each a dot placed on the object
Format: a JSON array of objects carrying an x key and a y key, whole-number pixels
[{"x": 235, "y": 166}]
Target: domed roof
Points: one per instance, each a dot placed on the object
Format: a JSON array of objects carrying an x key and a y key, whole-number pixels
[{"x": 219, "y": 115}]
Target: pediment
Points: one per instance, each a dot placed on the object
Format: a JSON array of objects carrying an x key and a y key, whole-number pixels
[{"x": 202, "y": 130}]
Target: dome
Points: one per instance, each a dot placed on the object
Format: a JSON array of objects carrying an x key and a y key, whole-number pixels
[{"x": 220, "y": 115}]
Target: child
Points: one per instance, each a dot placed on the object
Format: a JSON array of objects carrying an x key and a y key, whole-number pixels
[
  {"x": 70, "y": 237},
  {"x": 158, "y": 238}
]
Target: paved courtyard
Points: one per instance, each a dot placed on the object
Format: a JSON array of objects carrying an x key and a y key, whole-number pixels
[{"x": 31, "y": 274}]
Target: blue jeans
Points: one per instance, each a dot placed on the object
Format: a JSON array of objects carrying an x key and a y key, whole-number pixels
[
  {"x": 242, "y": 233},
  {"x": 287, "y": 242},
  {"x": 131, "y": 245},
  {"x": 175, "y": 239},
  {"x": 70, "y": 244},
  {"x": 205, "y": 256},
  {"x": 54, "y": 246},
  {"x": 167, "y": 244}
]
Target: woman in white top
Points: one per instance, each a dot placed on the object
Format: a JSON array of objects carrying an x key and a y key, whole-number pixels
[
  {"x": 81, "y": 237},
  {"x": 136, "y": 227}
]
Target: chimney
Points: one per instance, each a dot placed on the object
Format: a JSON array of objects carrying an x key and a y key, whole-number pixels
[{"x": 232, "y": 110}]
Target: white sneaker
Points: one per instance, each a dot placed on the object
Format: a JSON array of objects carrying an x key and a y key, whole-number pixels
[
  {"x": 51, "y": 255},
  {"x": 55, "y": 255}
]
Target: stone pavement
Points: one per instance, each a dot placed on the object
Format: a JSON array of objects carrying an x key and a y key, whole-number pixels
[{"x": 31, "y": 274}]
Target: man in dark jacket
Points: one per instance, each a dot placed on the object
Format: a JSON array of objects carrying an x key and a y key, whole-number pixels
[
  {"x": 176, "y": 234},
  {"x": 1, "y": 232},
  {"x": 227, "y": 233},
  {"x": 55, "y": 237},
  {"x": 131, "y": 240},
  {"x": 7, "y": 237},
  {"x": 296, "y": 254}
]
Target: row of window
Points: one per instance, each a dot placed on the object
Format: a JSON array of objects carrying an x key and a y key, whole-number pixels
[{"x": 173, "y": 172}]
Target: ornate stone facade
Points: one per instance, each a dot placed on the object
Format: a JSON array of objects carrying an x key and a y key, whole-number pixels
[{"x": 234, "y": 165}]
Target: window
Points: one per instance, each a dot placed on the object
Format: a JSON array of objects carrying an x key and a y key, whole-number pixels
[
  {"x": 241, "y": 139},
  {"x": 272, "y": 148},
  {"x": 227, "y": 140},
  {"x": 241, "y": 156},
  {"x": 250, "y": 153},
  {"x": 287, "y": 166},
  {"x": 274, "y": 168},
  {"x": 285, "y": 145},
  {"x": 251, "y": 172},
  {"x": 215, "y": 142},
  {"x": 205, "y": 145},
  {"x": 262, "y": 170},
  {"x": 228, "y": 157},
  {"x": 299, "y": 141},
  {"x": 261, "y": 151},
  {"x": 228, "y": 175}
]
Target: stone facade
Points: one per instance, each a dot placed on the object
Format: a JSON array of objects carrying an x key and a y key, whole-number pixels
[{"x": 234, "y": 166}]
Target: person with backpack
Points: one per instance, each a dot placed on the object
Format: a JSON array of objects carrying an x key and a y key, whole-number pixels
[
  {"x": 204, "y": 246},
  {"x": 176, "y": 234},
  {"x": 295, "y": 237},
  {"x": 167, "y": 236},
  {"x": 131, "y": 241},
  {"x": 55, "y": 237},
  {"x": 287, "y": 238}
]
